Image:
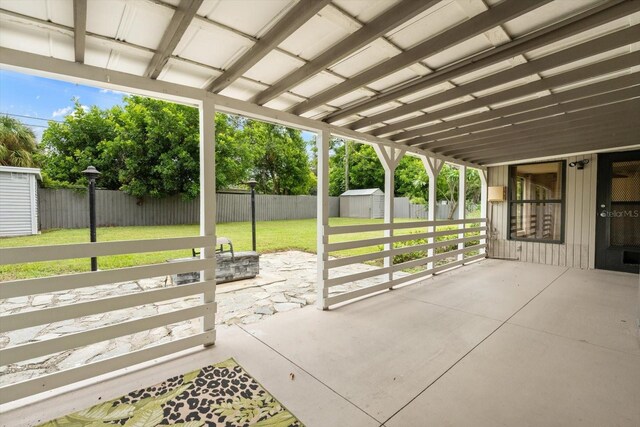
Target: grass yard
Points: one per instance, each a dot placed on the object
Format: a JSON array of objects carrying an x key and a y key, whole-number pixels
[{"x": 272, "y": 236}]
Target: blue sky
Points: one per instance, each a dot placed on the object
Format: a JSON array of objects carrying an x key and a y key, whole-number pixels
[{"x": 40, "y": 98}]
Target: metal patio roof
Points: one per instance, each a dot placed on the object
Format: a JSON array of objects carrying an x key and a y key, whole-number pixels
[{"x": 478, "y": 81}]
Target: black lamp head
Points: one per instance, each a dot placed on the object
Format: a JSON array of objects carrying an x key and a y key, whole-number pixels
[
  {"x": 91, "y": 173},
  {"x": 579, "y": 164}
]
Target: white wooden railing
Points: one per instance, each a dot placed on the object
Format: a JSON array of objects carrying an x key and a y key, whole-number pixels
[
  {"x": 430, "y": 264},
  {"x": 206, "y": 309}
]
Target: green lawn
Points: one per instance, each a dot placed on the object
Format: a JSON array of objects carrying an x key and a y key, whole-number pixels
[{"x": 272, "y": 236}]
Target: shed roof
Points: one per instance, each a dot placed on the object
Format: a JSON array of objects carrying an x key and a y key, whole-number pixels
[
  {"x": 472, "y": 80},
  {"x": 14, "y": 169},
  {"x": 363, "y": 192}
]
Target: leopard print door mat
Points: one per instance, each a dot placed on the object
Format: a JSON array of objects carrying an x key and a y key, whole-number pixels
[{"x": 223, "y": 395}]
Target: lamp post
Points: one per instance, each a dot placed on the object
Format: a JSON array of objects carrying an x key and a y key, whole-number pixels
[
  {"x": 92, "y": 174},
  {"x": 252, "y": 184}
]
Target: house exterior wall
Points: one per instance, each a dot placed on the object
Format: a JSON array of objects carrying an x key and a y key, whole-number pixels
[
  {"x": 578, "y": 249},
  {"x": 18, "y": 204}
]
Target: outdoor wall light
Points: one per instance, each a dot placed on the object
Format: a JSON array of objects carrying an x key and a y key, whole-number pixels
[{"x": 580, "y": 164}]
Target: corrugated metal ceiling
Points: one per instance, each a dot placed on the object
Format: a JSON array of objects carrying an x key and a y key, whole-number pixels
[{"x": 438, "y": 66}]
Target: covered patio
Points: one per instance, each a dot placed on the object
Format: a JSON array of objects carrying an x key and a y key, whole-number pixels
[
  {"x": 494, "y": 343},
  {"x": 539, "y": 96}
]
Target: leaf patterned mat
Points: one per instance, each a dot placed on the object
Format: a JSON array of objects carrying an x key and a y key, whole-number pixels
[{"x": 223, "y": 395}]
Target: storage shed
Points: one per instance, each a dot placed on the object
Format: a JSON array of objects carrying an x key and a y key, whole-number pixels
[
  {"x": 18, "y": 201},
  {"x": 366, "y": 203}
]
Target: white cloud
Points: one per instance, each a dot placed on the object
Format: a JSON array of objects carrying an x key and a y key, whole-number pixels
[
  {"x": 112, "y": 91},
  {"x": 61, "y": 112}
]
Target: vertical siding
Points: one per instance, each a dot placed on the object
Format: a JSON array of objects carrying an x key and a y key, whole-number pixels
[
  {"x": 578, "y": 249},
  {"x": 70, "y": 209},
  {"x": 15, "y": 204}
]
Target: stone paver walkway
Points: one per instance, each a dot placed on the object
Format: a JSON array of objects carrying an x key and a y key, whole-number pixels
[{"x": 287, "y": 282}]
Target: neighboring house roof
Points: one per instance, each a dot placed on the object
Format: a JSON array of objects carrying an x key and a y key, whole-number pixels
[
  {"x": 363, "y": 192},
  {"x": 14, "y": 169}
]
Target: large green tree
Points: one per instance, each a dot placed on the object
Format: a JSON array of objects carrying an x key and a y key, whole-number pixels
[
  {"x": 281, "y": 162},
  {"x": 80, "y": 140},
  {"x": 17, "y": 143},
  {"x": 146, "y": 148}
]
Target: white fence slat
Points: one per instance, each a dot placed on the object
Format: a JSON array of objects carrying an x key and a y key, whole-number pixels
[
  {"x": 24, "y": 287},
  {"x": 354, "y": 244},
  {"x": 71, "y": 311},
  {"x": 85, "y": 250},
  {"x": 362, "y": 228},
  {"x": 58, "y": 379},
  {"x": 425, "y": 260},
  {"x": 356, "y": 259},
  {"x": 357, "y": 276},
  {"x": 41, "y": 348}
]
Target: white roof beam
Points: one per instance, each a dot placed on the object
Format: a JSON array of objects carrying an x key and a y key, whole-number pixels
[
  {"x": 599, "y": 116},
  {"x": 563, "y": 57},
  {"x": 600, "y": 68},
  {"x": 460, "y": 125},
  {"x": 101, "y": 77},
  {"x": 287, "y": 25},
  {"x": 182, "y": 17},
  {"x": 577, "y": 142},
  {"x": 501, "y": 13},
  {"x": 460, "y": 135},
  {"x": 582, "y": 22},
  {"x": 365, "y": 35},
  {"x": 79, "y": 29}
]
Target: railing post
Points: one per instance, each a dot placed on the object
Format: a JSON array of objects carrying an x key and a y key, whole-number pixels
[
  {"x": 322, "y": 142},
  {"x": 483, "y": 205},
  {"x": 462, "y": 208},
  {"x": 208, "y": 207},
  {"x": 433, "y": 167},
  {"x": 389, "y": 158}
]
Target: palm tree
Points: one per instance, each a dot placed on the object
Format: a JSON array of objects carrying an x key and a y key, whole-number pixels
[{"x": 17, "y": 143}]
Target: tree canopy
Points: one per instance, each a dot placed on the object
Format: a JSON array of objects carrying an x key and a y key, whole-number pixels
[
  {"x": 150, "y": 148},
  {"x": 358, "y": 165}
]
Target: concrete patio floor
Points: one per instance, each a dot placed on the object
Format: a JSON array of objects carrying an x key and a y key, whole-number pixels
[{"x": 494, "y": 343}]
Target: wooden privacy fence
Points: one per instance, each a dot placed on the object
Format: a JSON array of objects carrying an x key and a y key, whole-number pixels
[
  {"x": 70, "y": 209},
  {"x": 205, "y": 308},
  {"x": 466, "y": 231}
]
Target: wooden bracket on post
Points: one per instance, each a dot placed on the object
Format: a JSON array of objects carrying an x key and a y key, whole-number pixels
[{"x": 390, "y": 158}]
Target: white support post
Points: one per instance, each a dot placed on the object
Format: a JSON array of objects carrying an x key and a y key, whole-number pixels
[
  {"x": 483, "y": 205},
  {"x": 389, "y": 158},
  {"x": 208, "y": 206},
  {"x": 433, "y": 167},
  {"x": 322, "y": 142},
  {"x": 462, "y": 208}
]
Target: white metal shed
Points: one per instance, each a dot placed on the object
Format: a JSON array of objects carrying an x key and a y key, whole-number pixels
[
  {"x": 18, "y": 201},
  {"x": 366, "y": 203}
]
